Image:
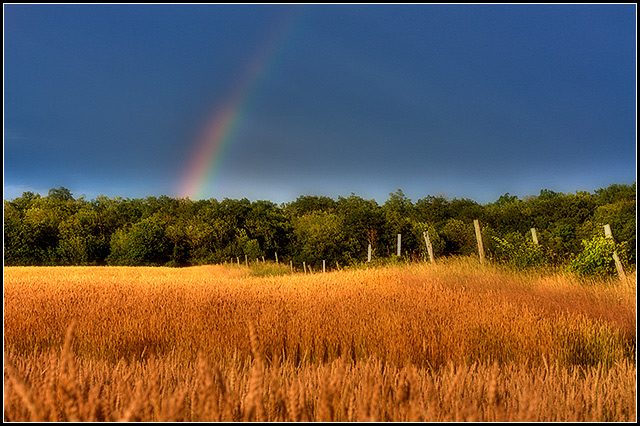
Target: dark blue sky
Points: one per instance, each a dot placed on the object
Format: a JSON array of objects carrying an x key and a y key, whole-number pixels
[{"x": 459, "y": 100}]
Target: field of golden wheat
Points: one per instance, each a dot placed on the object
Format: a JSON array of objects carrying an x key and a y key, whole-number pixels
[{"x": 449, "y": 341}]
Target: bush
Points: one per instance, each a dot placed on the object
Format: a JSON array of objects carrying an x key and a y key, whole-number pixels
[
  {"x": 516, "y": 251},
  {"x": 596, "y": 258},
  {"x": 459, "y": 238}
]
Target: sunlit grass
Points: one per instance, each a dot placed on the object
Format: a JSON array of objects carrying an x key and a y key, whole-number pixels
[{"x": 338, "y": 336}]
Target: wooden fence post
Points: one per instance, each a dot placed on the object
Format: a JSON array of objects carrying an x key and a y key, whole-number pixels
[
  {"x": 427, "y": 241},
  {"x": 369, "y": 254},
  {"x": 476, "y": 224},
  {"x": 291, "y": 265},
  {"x": 399, "y": 239},
  {"x": 246, "y": 260},
  {"x": 616, "y": 259},
  {"x": 534, "y": 235},
  {"x": 276, "y": 258},
  {"x": 304, "y": 265}
]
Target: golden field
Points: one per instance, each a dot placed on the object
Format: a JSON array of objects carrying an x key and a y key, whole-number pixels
[{"x": 449, "y": 341}]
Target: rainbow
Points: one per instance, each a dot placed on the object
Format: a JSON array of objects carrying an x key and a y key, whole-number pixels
[{"x": 220, "y": 129}]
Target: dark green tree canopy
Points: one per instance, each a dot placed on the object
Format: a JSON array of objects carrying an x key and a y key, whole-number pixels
[
  {"x": 60, "y": 194},
  {"x": 62, "y": 230}
]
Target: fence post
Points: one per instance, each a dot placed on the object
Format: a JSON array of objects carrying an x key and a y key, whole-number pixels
[
  {"x": 369, "y": 254},
  {"x": 246, "y": 260},
  {"x": 399, "y": 239},
  {"x": 534, "y": 235},
  {"x": 476, "y": 224},
  {"x": 616, "y": 259},
  {"x": 304, "y": 265},
  {"x": 427, "y": 241},
  {"x": 291, "y": 265},
  {"x": 276, "y": 258}
]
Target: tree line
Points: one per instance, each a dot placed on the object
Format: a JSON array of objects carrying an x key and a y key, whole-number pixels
[{"x": 59, "y": 229}]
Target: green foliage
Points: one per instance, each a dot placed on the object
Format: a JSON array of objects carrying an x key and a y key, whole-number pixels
[
  {"x": 596, "y": 258},
  {"x": 459, "y": 237},
  {"x": 62, "y": 230},
  {"x": 362, "y": 224},
  {"x": 81, "y": 242},
  {"x": 269, "y": 227},
  {"x": 616, "y": 193},
  {"x": 433, "y": 210},
  {"x": 310, "y": 203},
  {"x": 518, "y": 252},
  {"x": 466, "y": 210},
  {"x": 20, "y": 246},
  {"x": 509, "y": 215},
  {"x": 621, "y": 215},
  {"x": 506, "y": 199},
  {"x": 145, "y": 244},
  {"x": 437, "y": 243},
  {"x": 251, "y": 248},
  {"x": 318, "y": 236},
  {"x": 181, "y": 251},
  {"x": 398, "y": 220},
  {"x": 60, "y": 194},
  {"x": 547, "y": 194}
]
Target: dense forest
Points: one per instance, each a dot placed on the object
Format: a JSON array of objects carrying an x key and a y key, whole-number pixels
[{"x": 59, "y": 229}]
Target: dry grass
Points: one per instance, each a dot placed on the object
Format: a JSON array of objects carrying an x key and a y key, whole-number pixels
[{"x": 444, "y": 342}]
